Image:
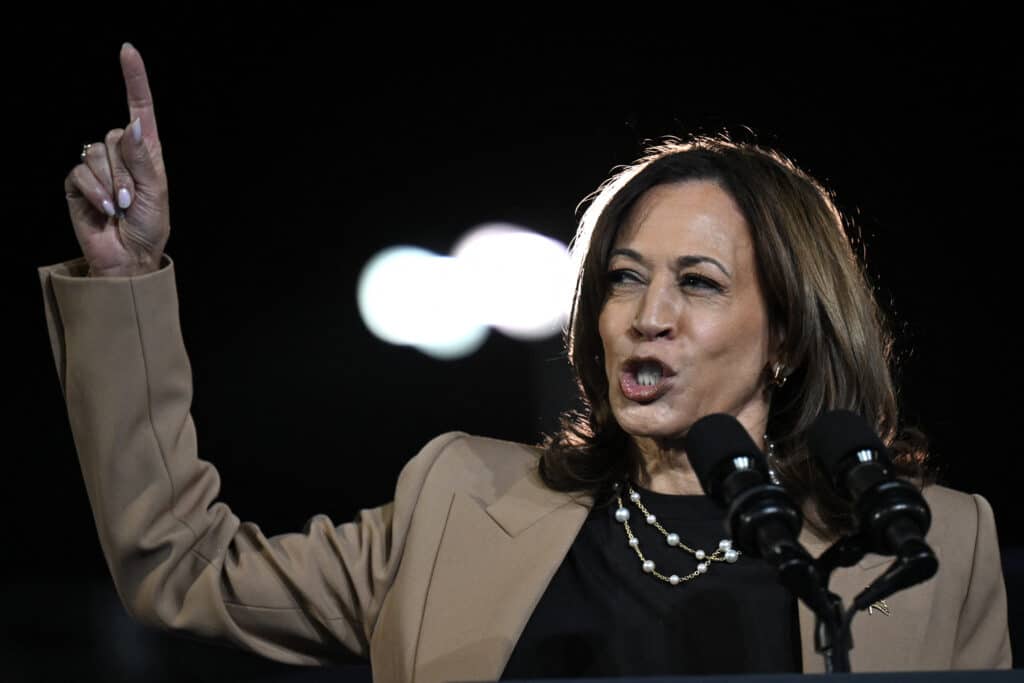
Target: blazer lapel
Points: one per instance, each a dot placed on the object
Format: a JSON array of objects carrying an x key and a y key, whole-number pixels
[
  {"x": 492, "y": 567},
  {"x": 880, "y": 642},
  {"x": 512, "y": 547}
]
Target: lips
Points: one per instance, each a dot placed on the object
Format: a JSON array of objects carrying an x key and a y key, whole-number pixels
[{"x": 645, "y": 379}]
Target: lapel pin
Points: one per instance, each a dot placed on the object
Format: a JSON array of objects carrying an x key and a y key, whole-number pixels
[{"x": 882, "y": 606}]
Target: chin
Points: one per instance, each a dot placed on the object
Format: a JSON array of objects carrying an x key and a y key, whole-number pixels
[{"x": 650, "y": 426}]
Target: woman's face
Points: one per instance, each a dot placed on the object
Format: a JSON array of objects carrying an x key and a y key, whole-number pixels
[{"x": 684, "y": 327}]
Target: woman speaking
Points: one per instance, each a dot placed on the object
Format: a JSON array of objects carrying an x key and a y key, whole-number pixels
[{"x": 714, "y": 277}]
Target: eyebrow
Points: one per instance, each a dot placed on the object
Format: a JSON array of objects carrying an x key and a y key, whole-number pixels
[{"x": 681, "y": 262}]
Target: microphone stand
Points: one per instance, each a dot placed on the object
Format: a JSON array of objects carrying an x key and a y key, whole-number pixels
[
  {"x": 832, "y": 637},
  {"x": 914, "y": 563},
  {"x": 764, "y": 522},
  {"x": 760, "y": 518}
]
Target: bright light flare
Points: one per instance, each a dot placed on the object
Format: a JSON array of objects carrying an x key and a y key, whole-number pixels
[
  {"x": 521, "y": 282},
  {"x": 499, "y": 275},
  {"x": 410, "y": 296}
]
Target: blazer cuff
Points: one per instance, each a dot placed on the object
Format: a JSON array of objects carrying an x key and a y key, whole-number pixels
[{"x": 79, "y": 267}]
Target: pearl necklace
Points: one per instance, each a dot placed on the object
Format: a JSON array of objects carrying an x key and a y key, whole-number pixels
[{"x": 724, "y": 552}]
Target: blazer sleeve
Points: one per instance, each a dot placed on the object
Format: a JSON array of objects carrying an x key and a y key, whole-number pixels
[
  {"x": 982, "y": 635},
  {"x": 180, "y": 559}
]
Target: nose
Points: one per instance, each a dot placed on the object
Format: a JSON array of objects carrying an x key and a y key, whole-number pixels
[{"x": 657, "y": 314}]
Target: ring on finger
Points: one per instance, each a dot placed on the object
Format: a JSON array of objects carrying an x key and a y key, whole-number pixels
[{"x": 85, "y": 150}]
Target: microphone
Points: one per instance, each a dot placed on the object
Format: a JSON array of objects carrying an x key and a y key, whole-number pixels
[
  {"x": 892, "y": 516},
  {"x": 762, "y": 520},
  {"x": 890, "y": 511}
]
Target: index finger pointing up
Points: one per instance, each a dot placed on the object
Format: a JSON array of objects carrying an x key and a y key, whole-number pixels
[{"x": 140, "y": 100}]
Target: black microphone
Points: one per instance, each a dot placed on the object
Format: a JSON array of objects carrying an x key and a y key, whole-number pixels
[
  {"x": 891, "y": 512},
  {"x": 892, "y": 516},
  {"x": 761, "y": 518}
]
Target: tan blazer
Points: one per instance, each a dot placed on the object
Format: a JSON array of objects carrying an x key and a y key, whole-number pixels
[{"x": 434, "y": 586}]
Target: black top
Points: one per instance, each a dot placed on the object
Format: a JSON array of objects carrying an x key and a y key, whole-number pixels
[{"x": 602, "y": 615}]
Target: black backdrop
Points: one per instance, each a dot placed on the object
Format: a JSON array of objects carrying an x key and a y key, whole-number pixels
[{"x": 300, "y": 142}]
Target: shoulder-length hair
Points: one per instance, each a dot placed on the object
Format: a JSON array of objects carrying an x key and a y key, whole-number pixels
[{"x": 836, "y": 343}]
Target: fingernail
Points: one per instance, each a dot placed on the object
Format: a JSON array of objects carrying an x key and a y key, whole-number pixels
[
  {"x": 108, "y": 207},
  {"x": 127, "y": 45},
  {"x": 124, "y": 198},
  {"x": 136, "y": 129}
]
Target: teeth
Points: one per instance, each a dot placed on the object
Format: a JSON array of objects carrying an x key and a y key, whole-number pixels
[{"x": 648, "y": 374}]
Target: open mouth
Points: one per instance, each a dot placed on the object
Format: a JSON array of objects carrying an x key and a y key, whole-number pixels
[{"x": 644, "y": 380}]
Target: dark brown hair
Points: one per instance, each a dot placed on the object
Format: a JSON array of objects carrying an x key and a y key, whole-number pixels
[{"x": 836, "y": 340}]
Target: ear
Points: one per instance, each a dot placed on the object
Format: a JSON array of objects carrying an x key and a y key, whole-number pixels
[{"x": 780, "y": 364}]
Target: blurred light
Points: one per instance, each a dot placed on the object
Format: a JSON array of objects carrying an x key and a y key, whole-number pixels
[
  {"x": 521, "y": 282},
  {"x": 410, "y": 296},
  {"x": 499, "y": 275}
]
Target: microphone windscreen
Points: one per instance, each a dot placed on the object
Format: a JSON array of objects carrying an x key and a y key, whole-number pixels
[
  {"x": 713, "y": 439},
  {"x": 838, "y": 433}
]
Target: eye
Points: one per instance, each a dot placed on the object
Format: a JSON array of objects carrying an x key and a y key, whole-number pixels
[
  {"x": 623, "y": 276},
  {"x": 695, "y": 281}
]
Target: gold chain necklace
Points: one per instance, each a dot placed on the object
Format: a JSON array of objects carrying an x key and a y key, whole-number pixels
[{"x": 724, "y": 552}]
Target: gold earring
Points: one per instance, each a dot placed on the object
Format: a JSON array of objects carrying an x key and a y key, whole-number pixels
[{"x": 778, "y": 378}]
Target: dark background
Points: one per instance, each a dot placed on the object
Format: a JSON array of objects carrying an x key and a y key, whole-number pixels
[{"x": 300, "y": 142}]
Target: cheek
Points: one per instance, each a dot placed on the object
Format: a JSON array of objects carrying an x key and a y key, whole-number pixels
[
  {"x": 736, "y": 337},
  {"x": 606, "y": 329},
  {"x": 609, "y": 327},
  {"x": 714, "y": 338},
  {"x": 724, "y": 366},
  {"x": 607, "y": 349}
]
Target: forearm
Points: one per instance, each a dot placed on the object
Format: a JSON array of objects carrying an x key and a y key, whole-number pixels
[
  {"x": 127, "y": 381},
  {"x": 178, "y": 558}
]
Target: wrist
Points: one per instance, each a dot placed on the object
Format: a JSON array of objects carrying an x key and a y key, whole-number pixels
[{"x": 129, "y": 270}]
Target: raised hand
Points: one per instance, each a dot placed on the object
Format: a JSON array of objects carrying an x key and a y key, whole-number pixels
[{"x": 117, "y": 196}]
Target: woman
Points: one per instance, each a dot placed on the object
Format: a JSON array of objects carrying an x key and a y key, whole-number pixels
[{"x": 714, "y": 278}]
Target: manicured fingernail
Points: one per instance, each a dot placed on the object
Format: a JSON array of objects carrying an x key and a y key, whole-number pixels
[
  {"x": 136, "y": 129},
  {"x": 127, "y": 45},
  {"x": 124, "y": 198},
  {"x": 108, "y": 207}
]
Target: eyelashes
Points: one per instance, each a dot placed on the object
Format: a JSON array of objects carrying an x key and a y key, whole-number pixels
[
  {"x": 624, "y": 277},
  {"x": 699, "y": 281}
]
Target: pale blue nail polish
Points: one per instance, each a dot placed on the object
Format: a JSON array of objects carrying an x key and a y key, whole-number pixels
[
  {"x": 108, "y": 207},
  {"x": 124, "y": 198}
]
